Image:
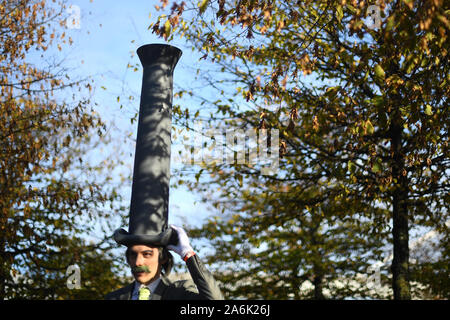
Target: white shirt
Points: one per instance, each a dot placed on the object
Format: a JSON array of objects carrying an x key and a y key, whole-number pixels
[{"x": 151, "y": 286}]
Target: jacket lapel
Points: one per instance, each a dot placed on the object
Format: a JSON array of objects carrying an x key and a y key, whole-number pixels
[
  {"x": 160, "y": 289},
  {"x": 127, "y": 291},
  {"x": 127, "y": 295}
]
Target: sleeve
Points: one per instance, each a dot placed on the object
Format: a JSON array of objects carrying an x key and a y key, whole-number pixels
[{"x": 203, "y": 279}]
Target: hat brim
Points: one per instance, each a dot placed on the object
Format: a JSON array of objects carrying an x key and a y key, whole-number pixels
[{"x": 163, "y": 239}]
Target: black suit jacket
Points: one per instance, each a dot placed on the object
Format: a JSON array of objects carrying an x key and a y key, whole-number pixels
[{"x": 203, "y": 286}]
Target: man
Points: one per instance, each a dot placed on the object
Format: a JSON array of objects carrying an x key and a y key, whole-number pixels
[
  {"x": 149, "y": 236},
  {"x": 150, "y": 266}
]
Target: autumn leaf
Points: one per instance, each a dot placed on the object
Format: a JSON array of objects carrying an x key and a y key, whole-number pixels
[
  {"x": 202, "y": 6},
  {"x": 369, "y": 127},
  {"x": 44, "y": 138}
]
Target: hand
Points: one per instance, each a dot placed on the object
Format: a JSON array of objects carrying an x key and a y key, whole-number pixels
[{"x": 183, "y": 246}]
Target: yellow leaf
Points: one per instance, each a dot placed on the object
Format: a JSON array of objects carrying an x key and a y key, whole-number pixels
[
  {"x": 202, "y": 5},
  {"x": 369, "y": 127},
  {"x": 339, "y": 13},
  {"x": 167, "y": 27},
  {"x": 409, "y": 3}
]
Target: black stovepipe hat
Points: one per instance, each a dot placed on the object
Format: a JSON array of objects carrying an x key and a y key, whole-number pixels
[{"x": 148, "y": 221}]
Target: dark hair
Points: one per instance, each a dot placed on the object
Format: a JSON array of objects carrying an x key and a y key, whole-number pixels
[{"x": 165, "y": 259}]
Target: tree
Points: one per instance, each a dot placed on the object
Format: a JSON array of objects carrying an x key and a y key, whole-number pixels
[
  {"x": 279, "y": 241},
  {"x": 365, "y": 102},
  {"x": 430, "y": 265},
  {"x": 51, "y": 197}
]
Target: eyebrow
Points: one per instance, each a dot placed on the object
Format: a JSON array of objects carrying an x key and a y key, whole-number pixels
[{"x": 144, "y": 251}]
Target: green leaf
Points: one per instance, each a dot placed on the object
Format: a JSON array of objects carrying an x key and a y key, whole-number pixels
[
  {"x": 339, "y": 13},
  {"x": 351, "y": 166},
  {"x": 351, "y": 8},
  {"x": 379, "y": 72},
  {"x": 378, "y": 101},
  {"x": 377, "y": 166},
  {"x": 390, "y": 22}
]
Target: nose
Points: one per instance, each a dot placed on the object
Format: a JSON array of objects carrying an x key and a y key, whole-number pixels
[{"x": 139, "y": 260}]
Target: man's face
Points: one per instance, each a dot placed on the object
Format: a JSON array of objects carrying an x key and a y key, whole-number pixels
[{"x": 143, "y": 257}]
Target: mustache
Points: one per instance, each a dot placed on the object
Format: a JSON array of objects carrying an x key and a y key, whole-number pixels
[{"x": 140, "y": 269}]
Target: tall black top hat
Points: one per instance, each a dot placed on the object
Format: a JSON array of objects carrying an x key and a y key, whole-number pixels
[{"x": 150, "y": 191}]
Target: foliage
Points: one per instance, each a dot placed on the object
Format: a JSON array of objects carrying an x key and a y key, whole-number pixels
[
  {"x": 50, "y": 195},
  {"x": 363, "y": 119}
]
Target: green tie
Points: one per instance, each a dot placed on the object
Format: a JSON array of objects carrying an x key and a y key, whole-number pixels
[{"x": 144, "y": 293}]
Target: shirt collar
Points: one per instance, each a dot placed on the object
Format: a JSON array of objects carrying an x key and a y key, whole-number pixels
[{"x": 151, "y": 286}]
